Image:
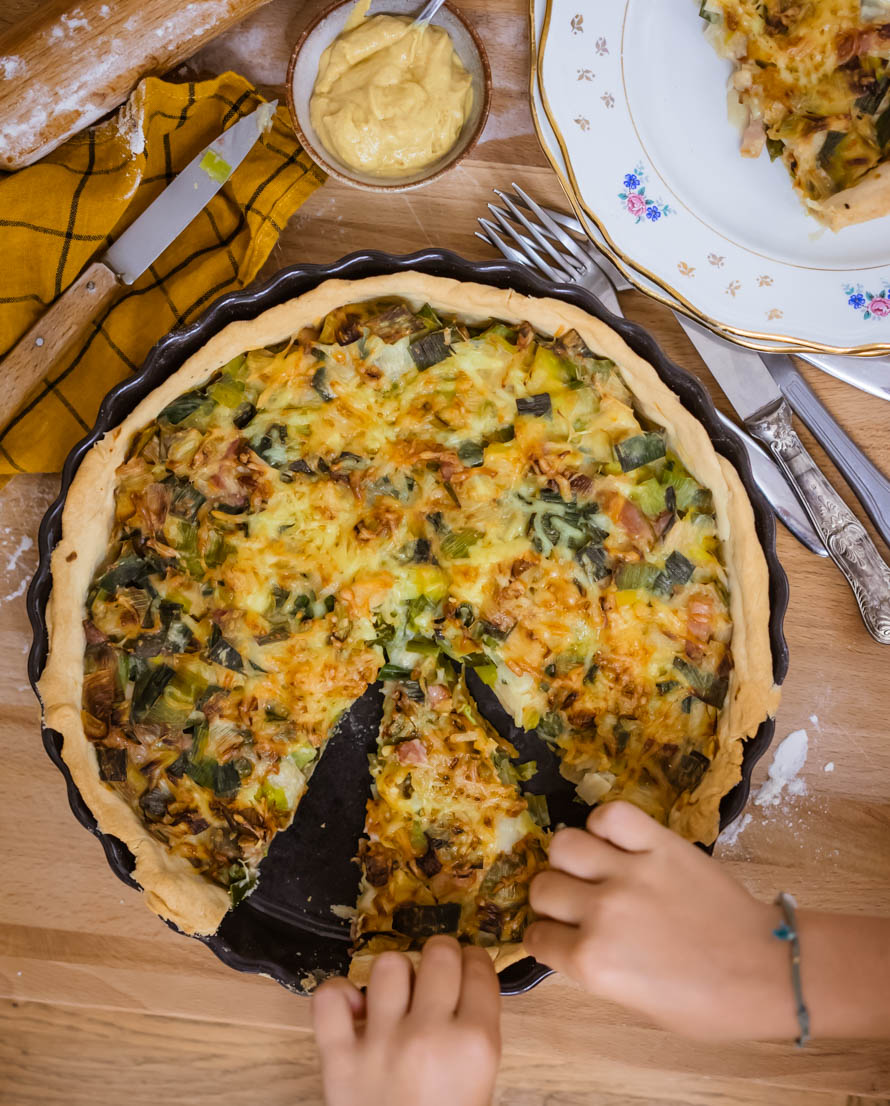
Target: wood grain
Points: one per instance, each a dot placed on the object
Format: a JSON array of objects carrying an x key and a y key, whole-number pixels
[
  {"x": 71, "y": 61},
  {"x": 68, "y": 320},
  {"x": 105, "y": 1004}
]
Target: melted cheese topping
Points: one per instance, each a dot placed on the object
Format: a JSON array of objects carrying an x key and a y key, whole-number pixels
[
  {"x": 385, "y": 486},
  {"x": 813, "y": 78}
]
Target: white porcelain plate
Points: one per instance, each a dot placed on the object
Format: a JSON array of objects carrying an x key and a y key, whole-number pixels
[{"x": 637, "y": 97}]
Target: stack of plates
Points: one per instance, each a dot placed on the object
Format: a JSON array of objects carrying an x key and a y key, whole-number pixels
[{"x": 630, "y": 107}]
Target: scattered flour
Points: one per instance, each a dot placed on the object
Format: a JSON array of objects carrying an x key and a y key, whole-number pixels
[
  {"x": 184, "y": 26},
  {"x": 130, "y": 121},
  {"x": 105, "y": 11},
  {"x": 814, "y": 718},
  {"x": 12, "y": 561},
  {"x": 75, "y": 21},
  {"x": 784, "y": 772},
  {"x": 734, "y": 830},
  {"x": 829, "y": 767},
  {"x": 11, "y": 67},
  {"x": 20, "y": 590}
]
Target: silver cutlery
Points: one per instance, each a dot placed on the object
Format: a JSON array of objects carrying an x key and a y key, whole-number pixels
[
  {"x": 755, "y": 395},
  {"x": 871, "y": 487},
  {"x": 584, "y": 271}
]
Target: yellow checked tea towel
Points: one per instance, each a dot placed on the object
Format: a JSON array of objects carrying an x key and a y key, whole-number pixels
[{"x": 57, "y": 215}]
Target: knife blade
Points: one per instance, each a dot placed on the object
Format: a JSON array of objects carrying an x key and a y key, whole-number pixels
[
  {"x": 868, "y": 483},
  {"x": 43, "y": 346},
  {"x": 185, "y": 196},
  {"x": 756, "y": 397},
  {"x": 783, "y": 499}
]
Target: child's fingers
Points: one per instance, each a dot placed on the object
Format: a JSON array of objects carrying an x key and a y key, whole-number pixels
[
  {"x": 554, "y": 944},
  {"x": 560, "y": 896},
  {"x": 480, "y": 992},
  {"x": 389, "y": 990},
  {"x": 438, "y": 983},
  {"x": 335, "y": 1006},
  {"x": 581, "y": 854},
  {"x": 626, "y": 826}
]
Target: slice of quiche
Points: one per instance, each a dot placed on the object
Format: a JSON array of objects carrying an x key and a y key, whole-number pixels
[
  {"x": 451, "y": 841},
  {"x": 812, "y": 81}
]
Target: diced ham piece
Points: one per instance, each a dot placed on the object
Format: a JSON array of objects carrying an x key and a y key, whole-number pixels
[
  {"x": 411, "y": 752},
  {"x": 632, "y": 519},
  {"x": 753, "y": 138},
  {"x": 700, "y": 614},
  {"x": 438, "y": 695}
]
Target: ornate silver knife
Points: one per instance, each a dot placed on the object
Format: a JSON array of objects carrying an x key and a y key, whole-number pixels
[{"x": 756, "y": 397}]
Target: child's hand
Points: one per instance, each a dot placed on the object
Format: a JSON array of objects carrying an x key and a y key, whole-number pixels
[
  {"x": 644, "y": 918},
  {"x": 429, "y": 1041}
]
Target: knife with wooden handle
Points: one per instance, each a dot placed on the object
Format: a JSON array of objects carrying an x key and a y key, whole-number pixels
[{"x": 34, "y": 357}]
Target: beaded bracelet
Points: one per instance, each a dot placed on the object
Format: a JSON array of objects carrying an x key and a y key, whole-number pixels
[{"x": 787, "y": 931}]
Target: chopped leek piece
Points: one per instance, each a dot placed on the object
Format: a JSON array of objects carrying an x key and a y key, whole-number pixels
[
  {"x": 223, "y": 652},
  {"x": 391, "y": 671},
  {"x": 244, "y": 414},
  {"x": 183, "y": 406},
  {"x": 706, "y": 686},
  {"x": 223, "y": 779},
  {"x": 550, "y": 726},
  {"x": 537, "y": 808},
  {"x": 112, "y": 763},
  {"x": 472, "y": 454},
  {"x": 457, "y": 544},
  {"x": 304, "y": 755},
  {"x": 639, "y": 450},
  {"x": 226, "y": 391},
  {"x": 635, "y": 574},
  {"x": 148, "y": 689},
  {"x": 429, "y": 349},
  {"x": 538, "y": 405},
  {"x": 452, "y": 494},
  {"x": 241, "y": 882},
  {"x": 594, "y": 560},
  {"x": 319, "y": 383},
  {"x": 650, "y": 497}
]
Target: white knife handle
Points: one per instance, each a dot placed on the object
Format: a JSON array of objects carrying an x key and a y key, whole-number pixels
[
  {"x": 846, "y": 540},
  {"x": 44, "y": 345}
]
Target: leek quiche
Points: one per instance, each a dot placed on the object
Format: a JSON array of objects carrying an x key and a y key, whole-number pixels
[
  {"x": 812, "y": 79},
  {"x": 400, "y": 478}
]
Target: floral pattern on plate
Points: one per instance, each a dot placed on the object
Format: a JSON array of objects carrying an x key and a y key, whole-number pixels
[
  {"x": 872, "y": 305},
  {"x": 635, "y": 200}
]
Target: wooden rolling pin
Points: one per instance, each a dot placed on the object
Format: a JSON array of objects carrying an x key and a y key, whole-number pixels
[{"x": 73, "y": 61}]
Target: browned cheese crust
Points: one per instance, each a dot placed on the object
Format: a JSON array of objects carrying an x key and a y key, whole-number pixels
[{"x": 172, "y": 887}]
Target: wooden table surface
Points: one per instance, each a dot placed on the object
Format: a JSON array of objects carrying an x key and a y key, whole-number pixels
[{"x": 101, "y": 1002}]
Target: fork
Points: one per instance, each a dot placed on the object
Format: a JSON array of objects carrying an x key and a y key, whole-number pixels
[{"x": 573, "y": 264}]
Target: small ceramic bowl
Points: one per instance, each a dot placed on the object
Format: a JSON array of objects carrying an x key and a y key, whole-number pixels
[{"x": 303, "y": 71}]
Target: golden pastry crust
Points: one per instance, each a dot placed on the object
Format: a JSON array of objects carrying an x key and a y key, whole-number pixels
[
  {"x": 868, "y": 199},
  {"x": 172, "y": 887}
]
